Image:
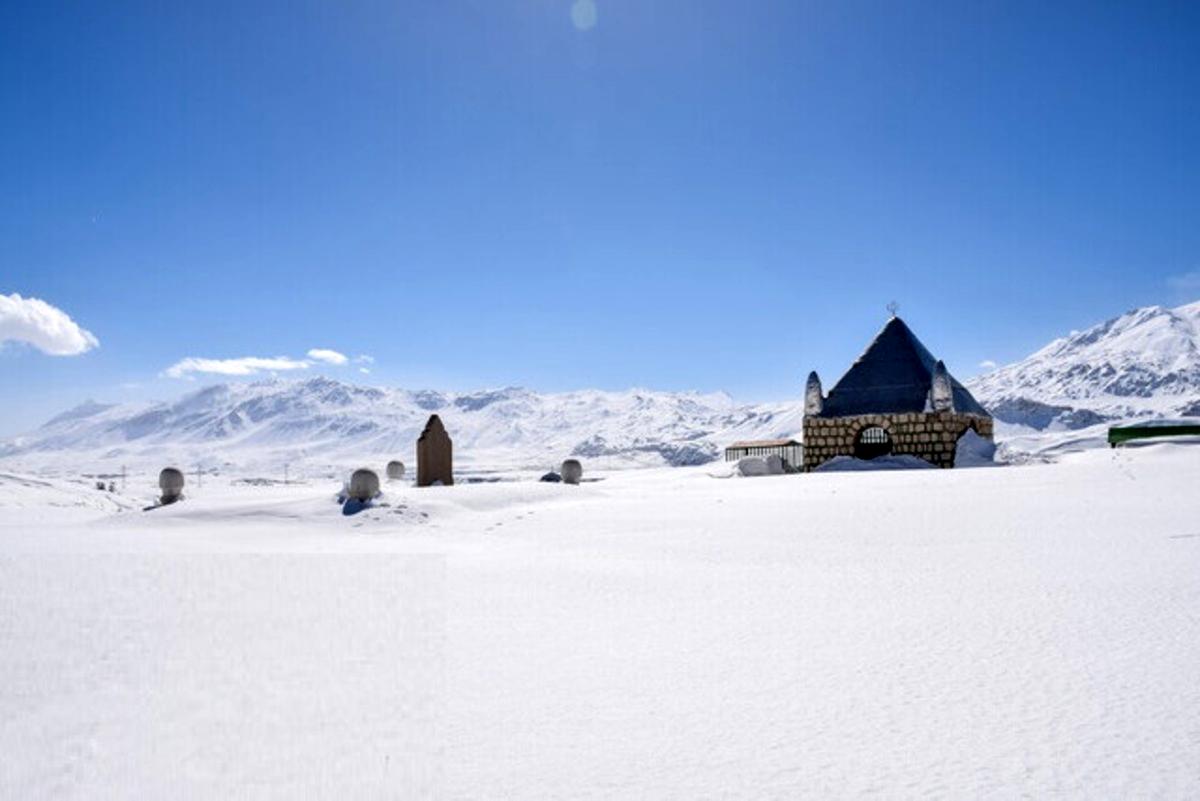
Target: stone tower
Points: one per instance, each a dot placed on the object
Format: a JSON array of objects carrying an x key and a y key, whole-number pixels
[{"x": 435, "y": 460}]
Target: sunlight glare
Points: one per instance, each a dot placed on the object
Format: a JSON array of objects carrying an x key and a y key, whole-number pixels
[{"x": 583, "y": 14}]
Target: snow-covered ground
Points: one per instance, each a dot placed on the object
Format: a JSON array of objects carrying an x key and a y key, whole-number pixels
[{"x": 1022, "y": 631}]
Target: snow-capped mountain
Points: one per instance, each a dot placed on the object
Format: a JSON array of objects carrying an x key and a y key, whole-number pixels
[
  {"x": 1145, "y": 362},
  {"x": 326, "y": 422}
]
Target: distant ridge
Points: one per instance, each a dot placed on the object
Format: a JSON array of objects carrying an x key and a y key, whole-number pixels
[
  {"x": 1142, "y": 363},
  {"x": 323, "y": 420}
]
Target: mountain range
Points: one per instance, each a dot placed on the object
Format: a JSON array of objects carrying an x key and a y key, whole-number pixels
[
  {"x": 1142, "y": 363},
  {"x": 323, "y": 421}
]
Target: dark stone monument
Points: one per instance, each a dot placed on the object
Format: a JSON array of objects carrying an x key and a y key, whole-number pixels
[
  {"x": 572, "y": 471},
  {"x": 435, "y": 460},
  {"x": 170, "y": 481}
]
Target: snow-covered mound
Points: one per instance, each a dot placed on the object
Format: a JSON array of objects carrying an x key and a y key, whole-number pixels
[
  {"x": 974, "y": 451},
  {"x": 1143, "y": 363},
  {"x": 769, "y": 465},
  {"x": 326, "y": 422},
  {"x": 849, "y": 464},
  {"x": 33, "y": 499}
]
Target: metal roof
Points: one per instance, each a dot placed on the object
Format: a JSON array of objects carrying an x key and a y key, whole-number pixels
[
  {"x": 893, "y": 375},
  {"x": 763, "y": 443}
]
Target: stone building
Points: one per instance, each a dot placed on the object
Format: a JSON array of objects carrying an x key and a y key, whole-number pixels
[{"x": 896, "y": 399}]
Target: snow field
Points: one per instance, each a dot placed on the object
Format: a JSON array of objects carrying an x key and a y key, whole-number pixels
[{"x": 1018, "y": 631}]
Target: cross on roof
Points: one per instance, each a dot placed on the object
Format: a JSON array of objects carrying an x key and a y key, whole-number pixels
[{"x": 893, "y": 307}]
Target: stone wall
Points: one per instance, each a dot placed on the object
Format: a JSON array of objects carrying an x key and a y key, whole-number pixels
[{"x": 931, "y": 436}]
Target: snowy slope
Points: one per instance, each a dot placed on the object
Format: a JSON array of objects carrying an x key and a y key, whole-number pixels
[
  {"x": 659, "y": 634},
  {"x": 322, "y": 421},
  {"x": 1145, "y": 362}
]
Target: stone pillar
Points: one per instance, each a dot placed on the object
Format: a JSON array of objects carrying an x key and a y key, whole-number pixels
[
  {"x": 814, "y": 401},
  {"x": 435, "y": 460}
]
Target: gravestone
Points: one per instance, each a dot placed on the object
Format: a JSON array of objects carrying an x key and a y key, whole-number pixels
[
  {"x": 170, "y": 481},
  {"x": 435, "y": 457},
  {"x": 364, "y": 485},
  {"x": 395, "y": 471},
  {"x": 572, "y": 471}
]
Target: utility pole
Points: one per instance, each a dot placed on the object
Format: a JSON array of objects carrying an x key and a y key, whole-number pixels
[
  {"x": 122, "y": 478},
  {"x": 285, "y": 476},
  {"x": 199, "y": 476}
]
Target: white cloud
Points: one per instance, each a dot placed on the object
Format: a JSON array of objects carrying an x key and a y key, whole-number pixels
[
  {"x": 364, "y": 370},
  {"x": 37, "y": 323},
  {"x": 247, "y": 365},
  {"x": 363, "y": 358},
  {"x": 328, "y": 356},
  {"x": 987, "y": 364}
]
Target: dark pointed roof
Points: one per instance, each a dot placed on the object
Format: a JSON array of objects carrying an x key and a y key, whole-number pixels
[{"x": 892, "y": 376}]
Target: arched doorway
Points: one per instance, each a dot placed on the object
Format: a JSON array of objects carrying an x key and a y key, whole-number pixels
[{"x": 871, "y": 443}]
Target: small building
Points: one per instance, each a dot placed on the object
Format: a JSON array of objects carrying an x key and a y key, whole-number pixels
[
  {"x": 791, "y": 451},
  {"x": 895, "y": 399}
]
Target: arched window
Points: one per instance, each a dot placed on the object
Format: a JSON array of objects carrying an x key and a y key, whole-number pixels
[{"x": 872, "y": 442}]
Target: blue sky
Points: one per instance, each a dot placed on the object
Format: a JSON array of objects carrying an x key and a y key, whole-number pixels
[{"x": 680, "y": 195}]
